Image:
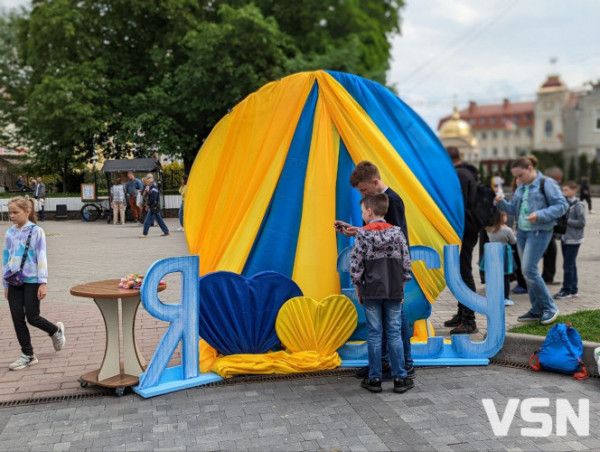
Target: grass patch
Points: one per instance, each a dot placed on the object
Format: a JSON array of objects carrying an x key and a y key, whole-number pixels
[{"x": 586, "y": 322}]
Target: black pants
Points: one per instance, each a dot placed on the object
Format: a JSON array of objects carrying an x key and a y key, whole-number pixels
[
  {"x": 466, "y": 272},
  {"x": 587, "y": 198},
  {"x": 24, "y": 304},
  {"x": 549, "y": 262}
]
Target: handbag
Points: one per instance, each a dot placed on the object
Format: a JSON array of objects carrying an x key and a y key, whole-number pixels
[
  {"x": 155, "y": 208},
  {"x": 15, "y": 277}
]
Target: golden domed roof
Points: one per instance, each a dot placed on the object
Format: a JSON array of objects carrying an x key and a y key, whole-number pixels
[{"x": 455, "y": 127}]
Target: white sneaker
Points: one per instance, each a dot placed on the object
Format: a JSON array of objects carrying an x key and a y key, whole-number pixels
[
  {"x": 58, "y": 338},
  {"x": 23, "y": 361},
  {"x": 179, "y": 229}
]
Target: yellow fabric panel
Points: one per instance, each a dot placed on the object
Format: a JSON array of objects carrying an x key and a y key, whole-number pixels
[
  {"x": 316, "y": 252},
  {"x": 208, "y": 356},
  {"x": 423, "y": 330},
  {"x": 324, "y": 326},
  {"x": 236, "y": 172},
  {"x": 364, "y": 141},
  {"x": 275, "y": 363}
]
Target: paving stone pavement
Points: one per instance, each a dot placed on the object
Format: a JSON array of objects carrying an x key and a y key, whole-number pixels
[
  {"x": 83, "y": 252},
  {"x": 443, "y": 413}
]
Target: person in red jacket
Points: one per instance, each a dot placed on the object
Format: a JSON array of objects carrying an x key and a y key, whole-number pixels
[{"x": 379, "y": 268}]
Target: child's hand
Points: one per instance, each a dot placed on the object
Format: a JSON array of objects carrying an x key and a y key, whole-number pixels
[{"x": 41, "y": 292}]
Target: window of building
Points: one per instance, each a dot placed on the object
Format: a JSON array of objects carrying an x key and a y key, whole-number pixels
[
  {"x": 484, "y": 152},
  {"x": 472, "y": 121},
  {"x": 494, "y": 134},
  {"x": 517, "y": 133},
  {"x": 483, "y": 135},
  {"x": 597, "y": 122},
  {"x": 506, "y": 133},
  {"x": 517, "y": 118},
  {"x": 548, "y": 126},
  {"x": 529, "y": 133},
  {"x": 495, "y": 152},
  {"x": 482, "y": 121},
  {"x": 506, "y": 153},
  {"x": 528, "y": 116},
  {"x": 493, "y": 120}
]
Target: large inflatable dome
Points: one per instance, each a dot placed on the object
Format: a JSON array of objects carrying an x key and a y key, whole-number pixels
[{"x": 274, "y": 173}]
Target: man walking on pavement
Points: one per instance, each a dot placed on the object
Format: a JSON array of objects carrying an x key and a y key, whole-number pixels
[
  {"x": 40, "y": 197},
  {"x": 464, "y": 319}
]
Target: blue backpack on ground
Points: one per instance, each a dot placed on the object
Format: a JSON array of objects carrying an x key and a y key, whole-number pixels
[{"x": 562, "y": 351}]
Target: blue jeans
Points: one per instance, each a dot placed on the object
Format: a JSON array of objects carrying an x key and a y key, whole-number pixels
[
  {"x": 406, "y": 335},
  {"x": 570, "y": 268},
  {"x": 181, "y": 214},
  {"x": 385, "y": 315},
  {"x": 532, "y": 245},
  {"x": 150, "y": 217}
]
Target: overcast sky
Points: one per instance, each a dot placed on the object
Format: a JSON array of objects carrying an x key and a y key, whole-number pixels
[{"x": 486, "y": 50}]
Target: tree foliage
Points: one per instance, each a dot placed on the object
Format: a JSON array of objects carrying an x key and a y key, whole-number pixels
[{"x": 137, "y": 77}]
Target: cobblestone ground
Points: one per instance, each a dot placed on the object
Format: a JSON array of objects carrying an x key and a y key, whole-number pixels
[{"x": 443, "y": 412}]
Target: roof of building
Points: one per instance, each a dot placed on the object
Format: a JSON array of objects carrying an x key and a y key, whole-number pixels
[
  {"x": 456, "y": 127},
  {"x": 499, "y": 111},
  {"x": 135, "y": 165}
]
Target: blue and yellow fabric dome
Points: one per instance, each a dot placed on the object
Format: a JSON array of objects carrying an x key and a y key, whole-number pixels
[{"x": 274, "y": 173}]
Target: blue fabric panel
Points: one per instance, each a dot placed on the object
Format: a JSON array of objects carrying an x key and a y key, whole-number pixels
[
  {"x": 344, "y": 196},
  {"x": 275, "y": 244},
  {"x": 414, "y": 141},
  {"x": 416, "y": 306},
  {"x": 237, "y": 314}
]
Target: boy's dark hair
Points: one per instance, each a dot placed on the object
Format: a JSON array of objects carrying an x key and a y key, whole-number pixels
[
  {"x": 454, "y": 153},
  {"x": 364, "y": 172},
  {"x": 379, "y": 204},
  {"x": 571, "y": 184}
]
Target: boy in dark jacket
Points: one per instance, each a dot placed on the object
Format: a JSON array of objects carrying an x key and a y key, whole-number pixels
[{"x": 379, "y": 268}]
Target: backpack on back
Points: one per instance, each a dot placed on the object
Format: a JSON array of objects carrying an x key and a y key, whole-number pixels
[
  {"x": 562, "y": 351},
  {"x": 484, "y": 209},
  {"x": 561, "y": 223}
]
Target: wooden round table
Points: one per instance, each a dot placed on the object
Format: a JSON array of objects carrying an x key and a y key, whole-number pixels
[{"x": 114, "y": 372}]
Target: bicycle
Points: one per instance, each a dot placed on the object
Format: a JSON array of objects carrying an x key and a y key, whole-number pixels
[{"x": 91, "y": 211}]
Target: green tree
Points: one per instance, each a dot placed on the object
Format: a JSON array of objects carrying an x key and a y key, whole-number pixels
[
  {"x": 584, "y": 166},
  {"x": 136, "y": 77},
  {"x": 571, "y": 170},
  {"x": 594, "y": 174}
]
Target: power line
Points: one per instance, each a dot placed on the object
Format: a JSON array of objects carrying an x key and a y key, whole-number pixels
[{"x": 495, "y": 19}]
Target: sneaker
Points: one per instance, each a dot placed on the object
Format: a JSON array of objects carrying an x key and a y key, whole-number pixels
[
  {"x": 453, "y": 322},
  {"x": 164, "y": 234},
  {"x": 574, "y": 295},
  {"x": 562, "y": 295},
  {"x": 554, "y": 282},
  {"x": 465, "y": 328},
  {"x": 529, "y": 317},
  {"x": 179, "y": 229},
  {"x": 23, "y": 361},
  {"x": 548, "y": 317},
  {"x": 508, "y": 302},
  {"x": 373, "y": 385},
  {"x": 143, "y": 236},
  {"x": 401, "y": 385},
  {"x": 410, "y": 373},
  {"x": 592, "y": 211},
  {"x": 519, "y": 290},
  {"x": 58, "y": 338}
]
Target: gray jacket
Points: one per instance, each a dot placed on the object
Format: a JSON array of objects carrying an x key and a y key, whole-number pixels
[
  {"x": 40, "y": 191},
  {"x": 575, "y": 223}
]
